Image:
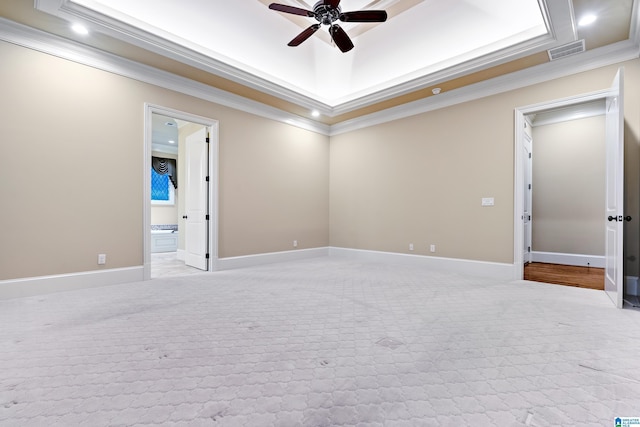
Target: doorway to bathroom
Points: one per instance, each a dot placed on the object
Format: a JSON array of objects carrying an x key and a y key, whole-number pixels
[{"x": 180, "y": 193}]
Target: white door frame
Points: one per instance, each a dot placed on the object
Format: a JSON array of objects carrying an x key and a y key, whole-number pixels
[
  {"x": 528, "y": 195},
  {"x": 212, "y": 128},
  {"x": 520, "y": 113}
]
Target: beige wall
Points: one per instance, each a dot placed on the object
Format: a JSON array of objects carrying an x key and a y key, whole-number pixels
[
  {"x": 420, "y": 179},
  {"x": 68, "y": 196},
  {"x": 72, "y": 170},
  {"x": 569, "y": 187},
  {"x": 268, "y": 157},
  {"x": 166, "y": 214}
]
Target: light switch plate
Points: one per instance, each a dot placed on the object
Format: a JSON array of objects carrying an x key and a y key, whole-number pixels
[{"x": 488, "y": 201}]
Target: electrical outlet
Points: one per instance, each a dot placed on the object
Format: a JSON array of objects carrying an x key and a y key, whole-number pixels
[
  {"x": 295, "y": 243},
  {"x": 410, "y": 246},
  {"x": 102, "y": 259},
  {"x": 432, "y": 248}
]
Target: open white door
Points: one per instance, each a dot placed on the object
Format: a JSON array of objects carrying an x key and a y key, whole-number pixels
[
  {"x": 196, "y": 200},
  {"x": 613, "y": 280}
]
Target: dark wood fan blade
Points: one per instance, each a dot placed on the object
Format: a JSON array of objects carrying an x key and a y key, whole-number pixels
[
  {"x": 290, "y": 9},
  {"x": 340, "y": 38},
  {"x": 332, "y": 3},
  {"x": 364, "y": 16},
  {"x": 304, "y": 35}
]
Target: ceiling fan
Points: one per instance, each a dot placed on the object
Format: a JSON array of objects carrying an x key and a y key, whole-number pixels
[{"x": 326, "y": 12}]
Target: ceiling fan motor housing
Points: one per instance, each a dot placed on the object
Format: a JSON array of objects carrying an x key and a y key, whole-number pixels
[{"x": 325, "y": 14}]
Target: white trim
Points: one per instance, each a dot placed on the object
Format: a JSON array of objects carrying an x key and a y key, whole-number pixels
[
  {"x": 212, "y": 126},
  {"x": 589, "y": 60},
  {"x": 557, "y": 14},
  {"x": 518, "y": 193},
  {"x": 31, "y": 38},
  {"x": 51, "y": 44},
  {"x": 31, "y": 286},
  {"x": 559, "y": 20},
  {"x": 495, "y": 270},
  {"x": 518, "y": 170},
  {"x": 580, "y": 260},
  {"x": 270, "y": 258},
  {"x": 181, "y": 50}
]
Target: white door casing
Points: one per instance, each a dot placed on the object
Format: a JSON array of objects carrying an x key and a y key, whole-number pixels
[
  {"x": 615, "y": 168},
  {"x": 526, "y": 211},
  {"x": 614, "y": 222},
  {"x": 212, "y": 127},
  {"x": 196, "y": 201}
]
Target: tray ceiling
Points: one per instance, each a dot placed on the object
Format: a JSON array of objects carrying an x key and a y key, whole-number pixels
[
  {"x": 241, "y": 46},
  {"x": 420, "y": 38}
]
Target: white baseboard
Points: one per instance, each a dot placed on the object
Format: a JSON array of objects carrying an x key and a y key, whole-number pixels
[
  {"x": 269, "y": 258},
  {"x": 475, "y": 268},
  {"x": 631, "y": 286},
  {"x": 65, "y": 282},
  {"x": 568, "y": 259},
  {"x": 31, "y": 286}
]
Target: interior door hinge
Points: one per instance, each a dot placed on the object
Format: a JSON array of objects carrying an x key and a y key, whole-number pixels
[
  {"x": 206, "y": 179},
  {"x": 528, "y": 248},
  {"x": 529, "y": 155},
  {"x": 206, "y": 217},
  {"x": 207, "y": 140},
  {"x": 529, "y": 186},
  {"x": 206, "y": 256}
]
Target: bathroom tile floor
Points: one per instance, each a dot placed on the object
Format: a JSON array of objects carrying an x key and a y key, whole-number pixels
[
  {"x": 167, "y": 264},
  {"x": 322, "y": 342}
]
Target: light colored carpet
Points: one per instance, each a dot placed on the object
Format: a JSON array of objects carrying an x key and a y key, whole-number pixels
[{"x": 324, "y": 342}]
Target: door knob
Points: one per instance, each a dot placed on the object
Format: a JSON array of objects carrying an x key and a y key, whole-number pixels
[{"x": 619, "y": 218}]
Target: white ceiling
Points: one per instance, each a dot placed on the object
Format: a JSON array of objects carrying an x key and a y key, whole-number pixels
[
  {"x": 164, "y": 134},
  {"x": 422, "y": 43}
]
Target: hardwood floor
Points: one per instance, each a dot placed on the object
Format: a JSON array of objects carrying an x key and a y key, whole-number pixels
[{"x": 568, "y": 275}]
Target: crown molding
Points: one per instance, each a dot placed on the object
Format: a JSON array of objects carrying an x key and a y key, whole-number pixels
[
  {"x": 587, "y": 61},
  {"x": 558, "y": 16},
  {"x": 184, "y": 51},
  {"x": 41, "y": 41},
  {"x": 634, "y": 30}
]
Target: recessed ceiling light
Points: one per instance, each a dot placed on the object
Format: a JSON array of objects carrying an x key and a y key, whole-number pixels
[
  {"x": 436, "y": 90},
  {"x": 80, "y": 29},
  {"x": 171, "y": 141},
  {"x": 587, "y": 20},
  {"x": 315, "y": 113}
]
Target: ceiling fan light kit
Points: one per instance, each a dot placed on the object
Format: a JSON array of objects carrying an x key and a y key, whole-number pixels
[{"x": 327, "y": 12}]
